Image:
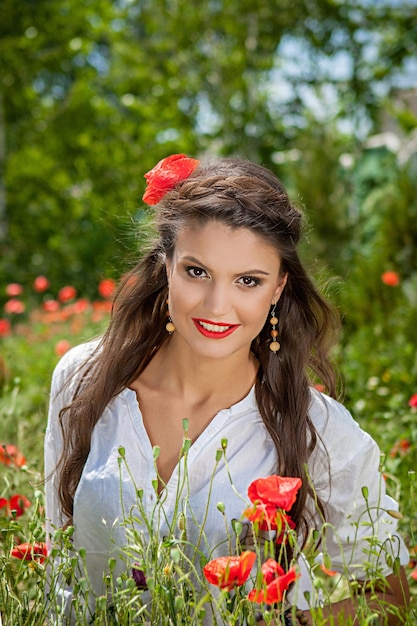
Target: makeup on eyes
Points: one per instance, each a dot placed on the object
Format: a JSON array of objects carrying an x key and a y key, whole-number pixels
[{"x": 198, "y": 271}]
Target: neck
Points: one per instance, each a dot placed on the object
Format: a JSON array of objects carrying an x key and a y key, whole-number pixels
[{"x": 184, "y": 373}]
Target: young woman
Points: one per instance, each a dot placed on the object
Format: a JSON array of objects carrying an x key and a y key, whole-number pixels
[{"x": 220, "y": 325}]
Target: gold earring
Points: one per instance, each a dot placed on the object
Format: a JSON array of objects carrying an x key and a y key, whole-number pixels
[
  {"x": 170, "y": 326},
  {"x": 274, "y": 346}
]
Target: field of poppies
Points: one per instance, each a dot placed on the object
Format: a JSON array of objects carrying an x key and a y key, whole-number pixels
[{"x": 39, "y": 325}]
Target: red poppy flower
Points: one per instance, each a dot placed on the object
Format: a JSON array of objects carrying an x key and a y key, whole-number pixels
[
  {"x": 392, "y": 279},
  {"x": 106, "y": 287},
  {"x": 401, "y": 447},
  {"x": 62, "y": 346},
  {"x": 166, "y": 174},
  {"x": 263, "y": 515},
  {"x": 41, "y": 284},
  {"x": 285, "y": 523},
  {"x": 80, "y": 306},
  {"x": 413, "y": 574},
  {"x": 413, "y": 400},
  {"x": 279, "y": 491},
  {"x": 50, "y": 306},
  {"x": 11, "y": 455},
  {"x": 67, "y": 293},
  {"x": 16, "y": 503},
  {"x": 229, "y": 571},
  {"x": 14, "y": 306},
  {"x": 268, "y": 517},
  {"x": 14, "y": 289},
  {"x": 275, "y": 583},
  {"x": 30, "y": 552},
  {"x": 5, "y": 328},
  {"x": 19, "y": 504},
  {"x": 328, "y": 572}
]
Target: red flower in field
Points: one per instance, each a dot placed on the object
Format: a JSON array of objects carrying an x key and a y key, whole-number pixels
[
  {"x": 51, "y": 306},
  {"x": 107, "y": 287},
  {"x": 14, "y": 289},
  {"x": 279, "y": 491},
  {"x": 75, "y": 308},
  {"x": 5, "y": 328},
  {"x": 285, "y": 523},
  {"x": 328, "y": 572},
  {"x": 275, "y": 583},
  {"x": 413, "y": 574},
  {"x": 166, "y": 174},
  {"x": 400, "y": 447},
  {"x": 11, "y": 455},
  {"x": 67, "y": 293},
  {"x": 14, "y": 306},
  {"x": 17, "y": 503},
  {"x": 268, "y": 517},
  {"x": 62, "y": 346},
  {"x": 413, "y": 401},
  {"x": 263, "y": 515},
  {"x": 270, "y": 570},
  {"x": 81, "y": 305},
  {"x": 41, "y": 284},
  {"x": 229, "y": 571},
  {"x": 392, "y": 279},
  {"x": 102, "y": 307},
  {"x": 30, "y": 552}
]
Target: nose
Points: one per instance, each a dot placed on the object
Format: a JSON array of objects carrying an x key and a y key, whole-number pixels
[{"x": 218, "y": 300}]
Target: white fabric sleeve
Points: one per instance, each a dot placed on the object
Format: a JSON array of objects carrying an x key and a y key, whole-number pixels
[
  {"x": 58, "y": 592},
  {"x": 361, "y": 535}
]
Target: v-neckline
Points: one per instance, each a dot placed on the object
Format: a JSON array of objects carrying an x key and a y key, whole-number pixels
[{"x": 213, "y": 426}]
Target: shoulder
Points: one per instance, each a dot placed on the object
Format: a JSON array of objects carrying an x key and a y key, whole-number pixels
[
  {"x": 336, "y": 427},
  {"x": 72, "y": 362},
  {"x": 343, "y": 447}
]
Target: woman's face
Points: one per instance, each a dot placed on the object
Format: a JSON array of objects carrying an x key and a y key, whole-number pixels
[{"x": 222, "y": 283}]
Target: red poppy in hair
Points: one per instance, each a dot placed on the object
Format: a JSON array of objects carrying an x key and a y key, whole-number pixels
[{"x": 166, "y": 174}]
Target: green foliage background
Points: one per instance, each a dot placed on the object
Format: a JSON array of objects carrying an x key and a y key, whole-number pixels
[{"x": 94, "y": 92}]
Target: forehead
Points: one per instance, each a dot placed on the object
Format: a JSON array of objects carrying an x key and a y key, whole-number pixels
[{"x": 215, "y": 243}]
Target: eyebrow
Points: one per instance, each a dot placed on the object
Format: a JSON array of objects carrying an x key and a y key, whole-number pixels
[{"x": 192, "y": 259}]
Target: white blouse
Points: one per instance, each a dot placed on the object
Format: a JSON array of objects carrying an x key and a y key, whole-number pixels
[{"x": 107, "y": 491}]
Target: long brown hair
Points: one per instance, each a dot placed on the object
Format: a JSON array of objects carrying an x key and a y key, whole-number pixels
[{"x": 239, "y": 194}]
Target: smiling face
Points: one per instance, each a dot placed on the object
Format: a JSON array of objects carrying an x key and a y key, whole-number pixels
[{"x": 222, "y": 283}]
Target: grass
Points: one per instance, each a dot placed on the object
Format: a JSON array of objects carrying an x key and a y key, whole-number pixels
[{"x": 377, "y": 392}]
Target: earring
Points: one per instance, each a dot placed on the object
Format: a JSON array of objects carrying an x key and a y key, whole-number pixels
[
  {"x": 274, "y": 346},
  {"x": 170, "y": 326}
]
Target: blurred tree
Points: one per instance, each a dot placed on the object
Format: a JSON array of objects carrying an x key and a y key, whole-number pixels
[
  {"x": 95, "y": 92},
  {"x": 58, "y": 161}
]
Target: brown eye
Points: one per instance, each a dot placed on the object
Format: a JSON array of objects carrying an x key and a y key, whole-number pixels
[
  {"x": 195, "y": 272},
  {"x": 249, "y": 281}
]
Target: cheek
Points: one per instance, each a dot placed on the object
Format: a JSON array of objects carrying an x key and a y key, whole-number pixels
[
  {"x": 182, "y": 295},
  {"x": 257, "y": 312}
]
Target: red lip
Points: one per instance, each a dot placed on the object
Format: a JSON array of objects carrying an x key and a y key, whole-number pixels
[{"x": 229, "y": 328}]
